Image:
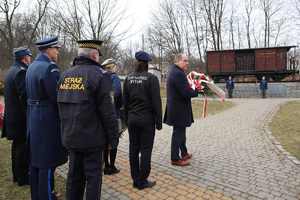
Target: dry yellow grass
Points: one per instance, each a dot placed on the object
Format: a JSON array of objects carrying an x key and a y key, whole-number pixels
[
  {"x": 285, "y": 127},
  {"x": 214, "y": 106},
  {"x": 9, "y": 190}
]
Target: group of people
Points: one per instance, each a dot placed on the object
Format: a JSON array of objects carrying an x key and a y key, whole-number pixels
[
  {"x": 263, "y": 86},
  {"x": 74, "y": 116}
]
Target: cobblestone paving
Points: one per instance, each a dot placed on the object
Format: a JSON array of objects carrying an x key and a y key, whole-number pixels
[{"x": 232, "y": 159}]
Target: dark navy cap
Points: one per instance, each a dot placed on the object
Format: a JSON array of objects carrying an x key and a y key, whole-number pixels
[
  {"x": 90, "y": 44},
  {"x": 48, "y": 43},
  {"x": 143, "y": 56},
  {"x": 22, "y": 51}
]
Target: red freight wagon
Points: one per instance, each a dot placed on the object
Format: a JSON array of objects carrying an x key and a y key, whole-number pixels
[{"x": 270, "y": 62}]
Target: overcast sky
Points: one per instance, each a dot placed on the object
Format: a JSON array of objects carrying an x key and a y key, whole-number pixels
[
  {"x": 139, "y": 17},
  {"x": 139, "y": 14}
]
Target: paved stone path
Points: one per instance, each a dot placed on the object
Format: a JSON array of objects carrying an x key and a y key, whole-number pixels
[{"x": 232, "y": 159}]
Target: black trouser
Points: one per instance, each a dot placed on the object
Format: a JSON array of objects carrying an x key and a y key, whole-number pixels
[
  {"x": 42, "y": 183},
  {"x": 263, "y": 93},
  {"x": 85, "y": 171},
  {"x": 230, "y": 93},
  {"x": 178, "y": 143},
  {"x": 20, "y": 161},
  {"x": 110, "y": 157},
  {"x": 141, "y": 139}
]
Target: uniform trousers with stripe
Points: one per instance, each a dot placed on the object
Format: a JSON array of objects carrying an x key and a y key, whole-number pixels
[{"x": 42, "y": 183}]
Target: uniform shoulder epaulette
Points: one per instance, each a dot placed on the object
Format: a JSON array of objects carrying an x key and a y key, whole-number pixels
[{"x": 54, "y": 70}]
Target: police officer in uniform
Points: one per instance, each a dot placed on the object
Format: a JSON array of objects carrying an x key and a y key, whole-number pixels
[
  {"x": 142, "y": 103},
  {"x": 230, "y": 86},
  {"x": 263, "y": 86},
  {"x": 46, "y": 150},
  {"x": 15, "y": 114},
  {"x": 88, "y": 118}
]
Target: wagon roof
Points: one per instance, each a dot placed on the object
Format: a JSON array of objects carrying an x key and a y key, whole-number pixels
[{"x": 279, "y": 47}]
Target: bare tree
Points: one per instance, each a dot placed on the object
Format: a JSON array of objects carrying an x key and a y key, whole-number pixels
[
  {"x": 70, "y": 18},
  {"x": 270, "y": 9},
  {"x": 231, "y": 27},
  {"x": 249, "y": 6},
  {"x": 168, "y": 27},
  {"x": 279, "y": 26},
  {"x": 92, "y": 19},
  {"x": 195, "y": 13},
  {"x": 8, "y": 9},
  {"x": 214, "y": 13},
  {"x": 239, "y": 33},
  {"x": 20, "y": 28}
]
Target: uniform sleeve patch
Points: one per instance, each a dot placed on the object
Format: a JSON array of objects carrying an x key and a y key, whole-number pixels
[{"x": 72, "y": 83}]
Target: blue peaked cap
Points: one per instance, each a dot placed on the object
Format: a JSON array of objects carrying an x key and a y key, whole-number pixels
[
  {"x": 48, "y": 43},
  {"x": 143, "y": 56},
  {"x": 21, "y": 51}
]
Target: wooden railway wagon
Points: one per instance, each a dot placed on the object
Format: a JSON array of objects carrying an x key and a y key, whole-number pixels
[{"x": 270, "y": 62}]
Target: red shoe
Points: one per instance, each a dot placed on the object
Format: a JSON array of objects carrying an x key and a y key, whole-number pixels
[
  {"x": 187, "y": 156},
  {"x": 180, "y": 162}
]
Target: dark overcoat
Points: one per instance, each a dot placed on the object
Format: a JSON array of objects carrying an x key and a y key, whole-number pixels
[
  {"x": 15, "y": 102},
  {"x": 179, "y": 93},
  {"x": 46, "y": 148}
]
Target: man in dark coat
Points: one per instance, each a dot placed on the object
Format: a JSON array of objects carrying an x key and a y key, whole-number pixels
[
  {"x": 263, "y": 86},
  {"x": 142, "y": 103},
  {"x": 230, "y": 86},
  {"x": 46, "y": 150},
  {"x": 15, "y": 114},
  {"x": 88, "y": 118},
  {"x": 179, "y": 109}
]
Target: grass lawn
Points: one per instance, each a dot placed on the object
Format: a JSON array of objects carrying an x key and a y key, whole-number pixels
[
  {"x": 213, "y": 107},
  {"x": 9, "y": 190},
  {"x": 285, "y": 127}
]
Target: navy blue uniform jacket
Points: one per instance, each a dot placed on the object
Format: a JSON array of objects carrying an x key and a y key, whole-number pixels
[
  {"x": 46, "y": 148},
  {"x": 229, "y": 84},
  {"x": 86, "y": 107},
  {"x": 179, "y": 107},
  {"x": 263, "y": 85},
  {"x": 15, "y": 102},
  {"x": 117, "y": 88}
]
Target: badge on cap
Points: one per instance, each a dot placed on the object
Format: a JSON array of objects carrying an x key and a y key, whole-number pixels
[
  {"x": 51, "y": 42},
  {"x": 90, "y": 44}
]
